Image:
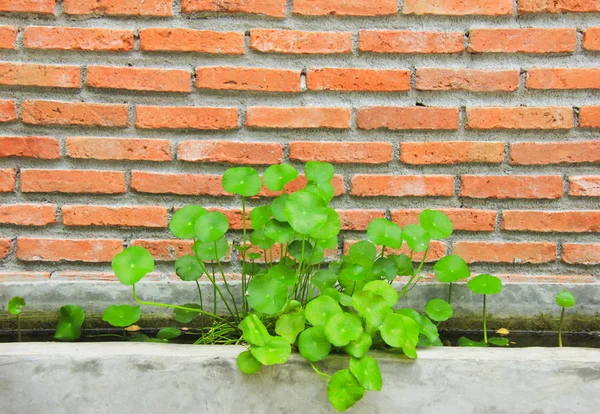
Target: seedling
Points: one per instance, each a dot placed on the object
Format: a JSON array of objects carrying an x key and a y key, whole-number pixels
[
  {"x": 15, "y": 307},
  {"x": 486, "y": 285},
  {"x": 564, "y": 299}
]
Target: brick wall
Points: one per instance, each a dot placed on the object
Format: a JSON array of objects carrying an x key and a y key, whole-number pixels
[{"x": 115, "y": 112}]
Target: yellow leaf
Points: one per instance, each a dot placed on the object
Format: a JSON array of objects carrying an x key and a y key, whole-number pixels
[
  {"x": 502, "y": 331},
  {"x": 133, "y": 328}
]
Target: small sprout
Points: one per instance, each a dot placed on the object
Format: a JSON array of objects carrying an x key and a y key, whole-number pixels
[
  {"x": 15, "y": 307},
  {"x": 564, "y": 299},
  {"x": 485, "y": 285}
]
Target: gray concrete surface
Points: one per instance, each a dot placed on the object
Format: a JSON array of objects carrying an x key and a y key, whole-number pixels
[{"x": 155, "y": 378}]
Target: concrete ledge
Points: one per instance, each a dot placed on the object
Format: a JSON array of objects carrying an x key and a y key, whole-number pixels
[{"x": 155, "y": 378}]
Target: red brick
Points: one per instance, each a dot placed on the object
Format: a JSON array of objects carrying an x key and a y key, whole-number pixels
[
  {"x": 88, "y": 276},
  {"x": 361, "y": 80},
  {"x": 396, "y": 117},
  {"x": 591, "y": 39},
  {"x": 272, "y": 8},
  {"x": 72, "y": 181},
  {"x": 451, "y": 152},
  {"x": 8, "y": 111},
  {"x": 406, "y": 41},
  {"x": 5, "y": 246},
  {"x": 551, "y": 221},
  {"x": 298, "y": 42},
  {"x": 353, "y": 220},
  {"x": 166, "y": 250},
  {"x": 463, "y": 219},
  {"x": 28, "y": 6},
  {"x": 120, "y": 7},
  {"x": 520, "y": 118},
  {"x": 247, "y": 79},
  {"x": 366, "y": 185},
  {"x": 181, "y": 184},
  {"x": 298, "y": 117},
  {"x": 299, "y": 183},
  {"x": 8, "y": 37},
  {"x": 28, "y": 74},
  {"x": 132, "y": 149},
  {"x": 345, "y": 8},
  {"x": 558, "y": 6},
  {"x": 186, "y": 117},
  {"x": 68, "y": 250},
  {"x": 512, "y": 186},
  {"x": 436, "y": 251},
  {"x": 8, "y": 180},
  {"x": 543, "y": 153},
  {"x": 28, "y": 214},
  {"x": 589, "y": 117},
  {"x": 77, "y": 38},
  {"x": 473, "y": 80},
  {"x": 341, "y": 152},
  {"x": 139, "y": 79},
  {"x": 522, "y": 40},
  {"x": 186, "y": 40},
  {"x": 138, "y": 216},
  {"x": 505, "y": 252},
  {"x": 231, "y": 152},
  {"x": 459, "y": 7},
  {"x": 74, "y": 113},
  {"x": 31, "y": 147},
  {"x": 586, "y": 254},
  {"x": 25, "y": 276},
  {"x": 584, "y": 186},
  {"x": 563, "y": 78}
]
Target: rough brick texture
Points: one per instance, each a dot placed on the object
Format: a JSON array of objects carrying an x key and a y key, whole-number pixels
[
  {"x": 298, "y": 42},
  {"x": 74, "y": 38},
  {"x": 345, "y": 8},
  {"x": 433, "y": 79},
  {"x": 74, "y": 113},
  {"x": 522, "y": 40},
  {"x": 28, "y": 6},
  {"x": 247, "y": 79},
  {"x": 51, "y": 76},
  {"x": 513, "y": 186},
  {"x": 300, "y": 117},
  {"x": 31, "y": 147},
  {"x": 404, "y": 41},
  {"x": 157, "y": 117},
  {"x": 591, "y": 39},
  {"x": 407, "y": 118},
  {"x": 8, "y": 37},
  {"x": 231, "y": 152},
  {"x": 354, "y": 80},
  {"x": 520, "y": 118},
  {"x": 558, "y": 6},
  {"x": 186, "y": 40},
  {"x": 459, "y": 7},
  {"x": 272, "y": 8},
  {"x": 120, "y": 7}
]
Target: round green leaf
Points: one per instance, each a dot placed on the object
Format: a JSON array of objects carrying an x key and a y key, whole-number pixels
[
  {"x": 325, "y": 190},
  {"x": 416, "y": 237},
  {"x": 183, "y": 221},
  {"x": 344, "y": 390},
  {"x": 132, "y": 264},
  {"x": 168, "y": 333},
  {"x": 259, "y": 216},
  {"x": 210, "y": 252},
  {"x": 254, "y": 331},
  {"x": 284, "y": 274},
  {"x": 437, "y": 224},
  {"x": 404, "y": 264},
  {"x": 383, "y": 289},
  {"x": 332, "y": 293},
  {"x": 464, "y": 341},
  {"x": 247, "y": 363},
  {"x": 324, "y": 279},
  {"x": 343, "y": 328},
  {"x": 345, "y": 300},
  {"x": 426, "y": 327},
  {"x": 399, "y": 331},
  {"x": 359, "y": 347},
  {"x": 277, "y": 207},
  {"x": 499, "y": 341},
  {"x": 451, "y": 269},
  {"x": 122, "y": 316},
  {"x": 331, "y": 227},
  {"x": 385, "y": 268},
  {"x": 356, "y": 269},
  {"x": 296, "y": 250},
  {"x": 185, "y": 316},
  {"x": 305, "y": 212},
  {"x": 70, "y": 319},
  {"x": 289, "y": 325},
  {"x": 277, "y": 176},
  {"x": 364, "y": 249},
  {"x": 367, "y": 372},
  {"x": 371, "y": 306},
  {"x": 321, "y": 309},
  {"x": 313, "y": 345},
  {"x": 385, "y": 233},
  {"x": 439, "y": 310},
  {"x": 278, "y": 231},
  {"x": 244, "y": 181},
  {"x": 16, "y": 305},
  {"x": 188, "y": 268},
  {"x": 258, "y": 238},
  {"x": 565, "y": 299},
  {"x": 266, "y": 294},
  {"x": 211, "y": 226},
  {"x": 319, "y": 172},
  {"x": 485, "y": 285},
  {"x": 275, "y": 352}
]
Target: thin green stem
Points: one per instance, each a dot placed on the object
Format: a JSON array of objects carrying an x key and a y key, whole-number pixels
[
  {"x": 560, "y": 327},
  {"x": 106, "y": 336},
  {"x": 244, "y": 236},
  {"x": 484, "y": 320},
  {"x": 415, "y": 274},
  {"x": 324, "y": 376},
  {"x": 299, "y": 272},
  {"x": 199, "y": 294},
  {"x": 450, "y": 294},
  {"x": 382, "y": 251},
  {"x": 19, "y": 327},
  {"x": 237, "y": 313}
]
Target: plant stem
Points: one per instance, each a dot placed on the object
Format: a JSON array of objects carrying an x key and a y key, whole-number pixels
[
  {"x": 484, "y": 320},
  {"x": 19, "y": 327},
  {"x": 244, "y": 282},
  {"x": 560, "y": 327},
  {"x": 321, "y": 374},
  {"x": 405, "y": 289},
  {"x": 199, "y": 294},
  {"x": 237, "y": 313},
  {"x": 450, "y": 294}
]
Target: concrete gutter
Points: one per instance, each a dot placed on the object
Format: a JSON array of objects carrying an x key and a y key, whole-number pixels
[{"x": 154, "y": 378}]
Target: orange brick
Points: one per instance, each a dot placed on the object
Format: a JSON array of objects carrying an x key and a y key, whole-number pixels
[
  {"x": 28, "y": 74},
  {"x": 8, "y": 111},
  {"x": 8, "y": 37},
  {"x": 459, "y": 7},
  {"x": 451, "y": 152},
  {"x": 520, "y": 118},
  {"x": 353, "y": 220},
  {"x": 576, "y": 253},
  {"x": 28, "y": 6},
  {"x": 522, "y": 40},
  {"x": 584, "y": 186},
  {"x": 299, "y": 183},
  {"x": 231, "y": 152},
  {"x": 558, "y": 6},
  {"x": 138, "y": 216},
  {"x": 166, "y": 250},
  {"x": 474, "y": 80},
  {"x": 5, "y": 246},
  {"x": 463, "y": 219},
  {"x": 512, "y": 186},
  {"x": 341, "y": 152},
  {"x": 298, "y": 117},
  {"x": 345, "y": 8},
  {"x": 68, "y": 250},
  {"x": 563, "y": 78},
  {"x": 298, "y": 42},
  {"x": 543, "y": 153},
  {"x": 155, "y": 8},
  {"x": 436, "y": 251},
  {"x": 31, "y": 147},
  {"x": 139, "y": 79},
  {"x": 395, "y": 117},
  {"x": 28, "y": 214},
  {"x": 406, "y": 41},
  {"x": 77, "y": 38},
  {"x": 551, "y": 221},
  {"x": 591, "y": 39},
  {"x": 8, "y": 180},
  {"x": 89, "y": 276},
  {"x": 352, "y": 80},
  {"x": 25, "y": 276},
  {"x": 185, "y": 40},
  {"x": 272, "y": 8},
  {"x": 247, "y": 79},
  {"x": 119, "y": 149},
  {"x": 182, "y": 117},
  {"x": 505, "y": 252},
  {"x": 181, "y": 184},
  {"x": 589, "y": 117},
  {"x": 559, "y": 279},
  {"x": 74, "y": 113},
  {"x": 72, "y": 181},
  {"x": 365, "y": 185}
]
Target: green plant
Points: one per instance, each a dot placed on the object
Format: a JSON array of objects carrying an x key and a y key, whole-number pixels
[
  {"x": 564, "y": 299},
  {"x": 15, "y": 307}
]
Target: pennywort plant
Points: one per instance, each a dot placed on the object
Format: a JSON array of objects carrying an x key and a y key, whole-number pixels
[
  {"x": 564, "y": 299},
  {"x": 15, "y": 307}
]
